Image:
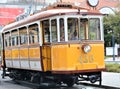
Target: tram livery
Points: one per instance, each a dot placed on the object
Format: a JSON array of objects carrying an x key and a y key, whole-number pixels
[{"x": 62, "y": 43}]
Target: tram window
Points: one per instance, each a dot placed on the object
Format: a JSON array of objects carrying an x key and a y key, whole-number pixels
[
  {"x": 46, "y": 31},
  {"x": 83, "y": 28},
  {"x": 23, "y": 35},
  {"x": 14, "y": 40},
  {"x": 54, "y": 30},
  {"x": 72, "y": 28},
  {"x": 7, "y": 40},
  {"x": 94, "y": 29},
  {"x": 62, "y": 30},
  {"x": 14, "y": 37},
  {"x": 33, "y": 34}
]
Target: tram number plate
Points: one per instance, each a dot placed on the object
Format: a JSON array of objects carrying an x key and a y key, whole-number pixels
[{"x": 86, "y": 59}]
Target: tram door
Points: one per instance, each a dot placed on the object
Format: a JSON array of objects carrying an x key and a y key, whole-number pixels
[{"x": 46, "y": 48}]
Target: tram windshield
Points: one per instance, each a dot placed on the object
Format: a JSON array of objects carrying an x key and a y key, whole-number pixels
[
  {"x": 77, "y": 29},
  {"x": 72, "y": 29},
  {"x": 89, "y": 29},
  {"x": 94, "y": 29}
]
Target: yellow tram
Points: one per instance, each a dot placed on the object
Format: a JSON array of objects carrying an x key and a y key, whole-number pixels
[{"x": 62, "y": 43}]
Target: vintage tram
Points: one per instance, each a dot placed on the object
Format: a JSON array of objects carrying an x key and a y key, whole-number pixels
[{"x": 62, "y": 43}]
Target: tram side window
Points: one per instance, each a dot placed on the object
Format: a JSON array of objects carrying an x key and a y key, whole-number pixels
[
  {"x": 23, "y": 36},
  {"x": 62, "y": 30},
  {"x": 7, "y": 40},
  {"x": 33, "y": 34},
  {"x": 54, "y": 30},
  {"x": 94, "y": 29},
  {"x": 14, "y": 37},
  {"x": 83, "y": 28},
  {"x": 72, "y": 28},
  {"x": 46, "y": 31}
]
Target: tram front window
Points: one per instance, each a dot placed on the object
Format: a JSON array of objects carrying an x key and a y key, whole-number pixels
[
  {"x": 72, "y": 29},
  {"x": 89, "y": 29},
  {"x": 83, "y": 33},
  {"x": 94, "y": 29}
]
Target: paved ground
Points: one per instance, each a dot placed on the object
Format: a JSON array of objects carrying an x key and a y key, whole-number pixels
[
  {"x": 111, "y": 79},
  {"x": 7, "y": 83}
]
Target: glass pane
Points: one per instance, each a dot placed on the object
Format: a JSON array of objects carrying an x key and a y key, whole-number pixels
[
  {"x": 23, "y": 36},
  {"x": 72, "y": 29},
  {"x": 54, "y": 30},
  {"x": 14, "y": 40},
  {"x": 33, "y": 34},
  {"x": 14, "y": 37},
  {"x": 62, "y": 31},
  {"x": 46, "y": 31},
  {"x": 7, "y": 40},
  {"x": 83, "y": 28},
  {"x": 94, "y": 31}
]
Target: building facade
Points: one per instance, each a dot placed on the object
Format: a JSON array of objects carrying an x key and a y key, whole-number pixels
[{"x": 10, "y": 9}]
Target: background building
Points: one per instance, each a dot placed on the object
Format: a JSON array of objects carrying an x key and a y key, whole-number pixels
[{"x": 10, "y": 9}]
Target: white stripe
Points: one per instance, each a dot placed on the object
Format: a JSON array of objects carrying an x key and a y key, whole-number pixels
[
  {"x": 35, "y": 65},
  {"x": 16, "y": 63},
  {"x": 24, "y": 64},
  {"x": 8, "y": 63}
]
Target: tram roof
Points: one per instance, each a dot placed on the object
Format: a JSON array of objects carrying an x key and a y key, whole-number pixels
[{"x": 54, "y": 10}]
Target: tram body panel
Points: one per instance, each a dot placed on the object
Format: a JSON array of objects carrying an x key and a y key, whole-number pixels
[
  {"x": 59, "y": 57},
  {"x": 34, "y": 53},
  {"x": 70, "y": 57},
  {"x": 46, "y": 58},
  {"x": 15, "y": 58},
  {"x": 8, "y": 57}
]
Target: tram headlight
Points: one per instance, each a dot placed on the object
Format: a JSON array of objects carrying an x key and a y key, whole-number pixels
[{"x": 86, "y": 48}]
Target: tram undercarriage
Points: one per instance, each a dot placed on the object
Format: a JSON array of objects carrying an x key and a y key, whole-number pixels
[{"x": 39, "y": 78}]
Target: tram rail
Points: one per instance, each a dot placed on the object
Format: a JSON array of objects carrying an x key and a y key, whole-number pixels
[{"x": 54, "y": 86}]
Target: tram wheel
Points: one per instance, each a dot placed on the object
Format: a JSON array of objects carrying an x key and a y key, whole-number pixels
[{"x": 70, "y": 82}]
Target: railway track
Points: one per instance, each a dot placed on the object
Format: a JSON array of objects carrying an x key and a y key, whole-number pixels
[{"x": 54, "y": 86}]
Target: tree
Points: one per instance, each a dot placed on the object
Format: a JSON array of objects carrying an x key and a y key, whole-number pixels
[{"x": 112, "y": 26}]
